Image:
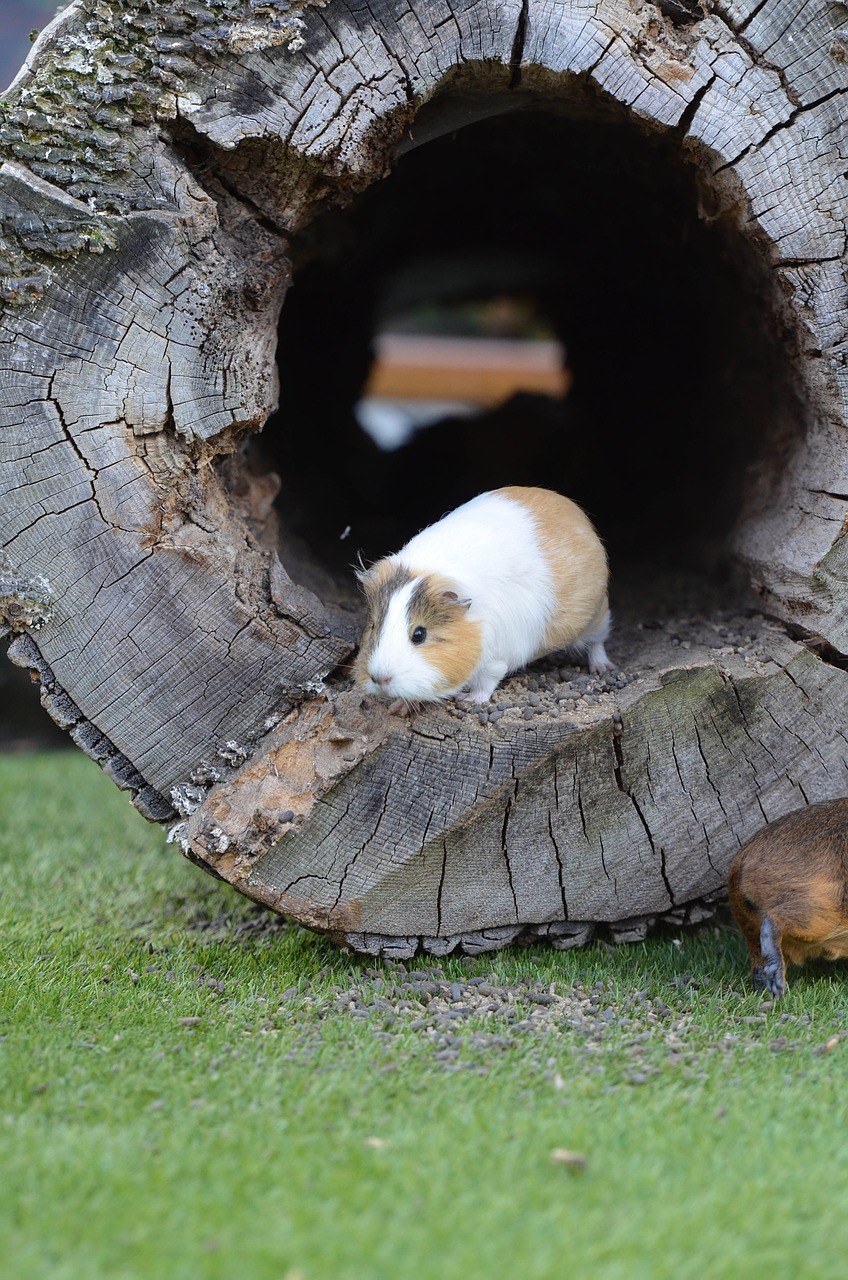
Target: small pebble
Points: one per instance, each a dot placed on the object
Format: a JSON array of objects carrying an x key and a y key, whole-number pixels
[{"x": 571, "y": 1160}]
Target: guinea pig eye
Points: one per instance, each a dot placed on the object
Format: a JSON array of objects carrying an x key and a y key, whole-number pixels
[{"x": 419, "y": 635}]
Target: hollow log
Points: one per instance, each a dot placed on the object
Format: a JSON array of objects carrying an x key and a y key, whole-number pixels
[{"x": 204, "y": 209}]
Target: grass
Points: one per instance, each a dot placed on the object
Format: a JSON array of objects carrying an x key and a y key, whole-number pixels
[{"x": 322, "y": 1121}]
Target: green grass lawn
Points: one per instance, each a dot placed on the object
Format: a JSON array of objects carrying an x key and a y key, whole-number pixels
[{"x": 325, "y": 1118}]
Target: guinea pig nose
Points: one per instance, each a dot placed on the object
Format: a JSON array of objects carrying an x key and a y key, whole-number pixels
[{"x": 381, "y": 679}]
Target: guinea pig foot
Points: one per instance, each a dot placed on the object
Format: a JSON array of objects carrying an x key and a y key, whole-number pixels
[
  {"x": 401, "y": 708},
  {"x": 773, "y": 983},
  {"x": 599, "y": 663},
  {"x": 485, "y": 683},
  {"x": 771, "y": 975}
]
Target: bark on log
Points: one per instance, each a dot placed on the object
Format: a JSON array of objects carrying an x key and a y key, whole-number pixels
[{"x": 161, "y": 164}]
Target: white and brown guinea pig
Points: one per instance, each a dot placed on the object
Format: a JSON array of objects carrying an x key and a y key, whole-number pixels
[{"x": 506, "y": 578}]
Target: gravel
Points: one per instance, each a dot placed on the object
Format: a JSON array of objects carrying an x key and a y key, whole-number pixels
[{"x": 469, "y": 1023}]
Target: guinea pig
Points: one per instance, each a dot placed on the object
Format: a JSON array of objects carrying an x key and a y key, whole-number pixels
[
  {"x": 505, "y": 578},
  {"x": 789, "y": 891}
]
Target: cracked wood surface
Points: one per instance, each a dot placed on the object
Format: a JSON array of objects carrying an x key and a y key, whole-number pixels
[
  {"x": 158, "y": 623},
  {"x": 155, "y": 166},
  {"x": 356, "y": 825}
]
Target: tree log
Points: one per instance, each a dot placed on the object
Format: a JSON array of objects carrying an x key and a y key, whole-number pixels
[{"x": 167, "y": 170}]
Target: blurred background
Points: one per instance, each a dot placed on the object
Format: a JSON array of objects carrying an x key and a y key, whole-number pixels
[{"x": 18, "y": 20}]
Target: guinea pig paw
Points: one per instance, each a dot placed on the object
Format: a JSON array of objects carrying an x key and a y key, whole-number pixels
[
  {"x": 480, "y": 695},
  {"x": 401, "y": 708},
  {"x": 601, "y": 668},
  {"x": 772, "y": 973},
  {"x": 769, "y": 978}
]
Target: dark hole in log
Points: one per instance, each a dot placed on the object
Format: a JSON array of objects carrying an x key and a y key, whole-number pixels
[
  {"x": 452, "y": 358},
  {"x": 681, "y": 396}
]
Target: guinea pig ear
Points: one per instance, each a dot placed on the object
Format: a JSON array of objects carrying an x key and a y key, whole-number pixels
[{"x": 451, "y": 597}]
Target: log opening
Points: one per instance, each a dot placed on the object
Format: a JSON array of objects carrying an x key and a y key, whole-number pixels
[
  {"x": 688, "y": 399},
  {"x": 687, "y": 393}
]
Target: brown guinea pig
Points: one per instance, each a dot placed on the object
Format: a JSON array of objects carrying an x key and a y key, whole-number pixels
[{"x": 789, "y": 891}]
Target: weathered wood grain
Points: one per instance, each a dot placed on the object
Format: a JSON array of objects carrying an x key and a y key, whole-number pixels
[
  {"x": 636, "y": 811},
  {"x": 160, "y": 616},
  {"x": 156, "y": 164}
]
